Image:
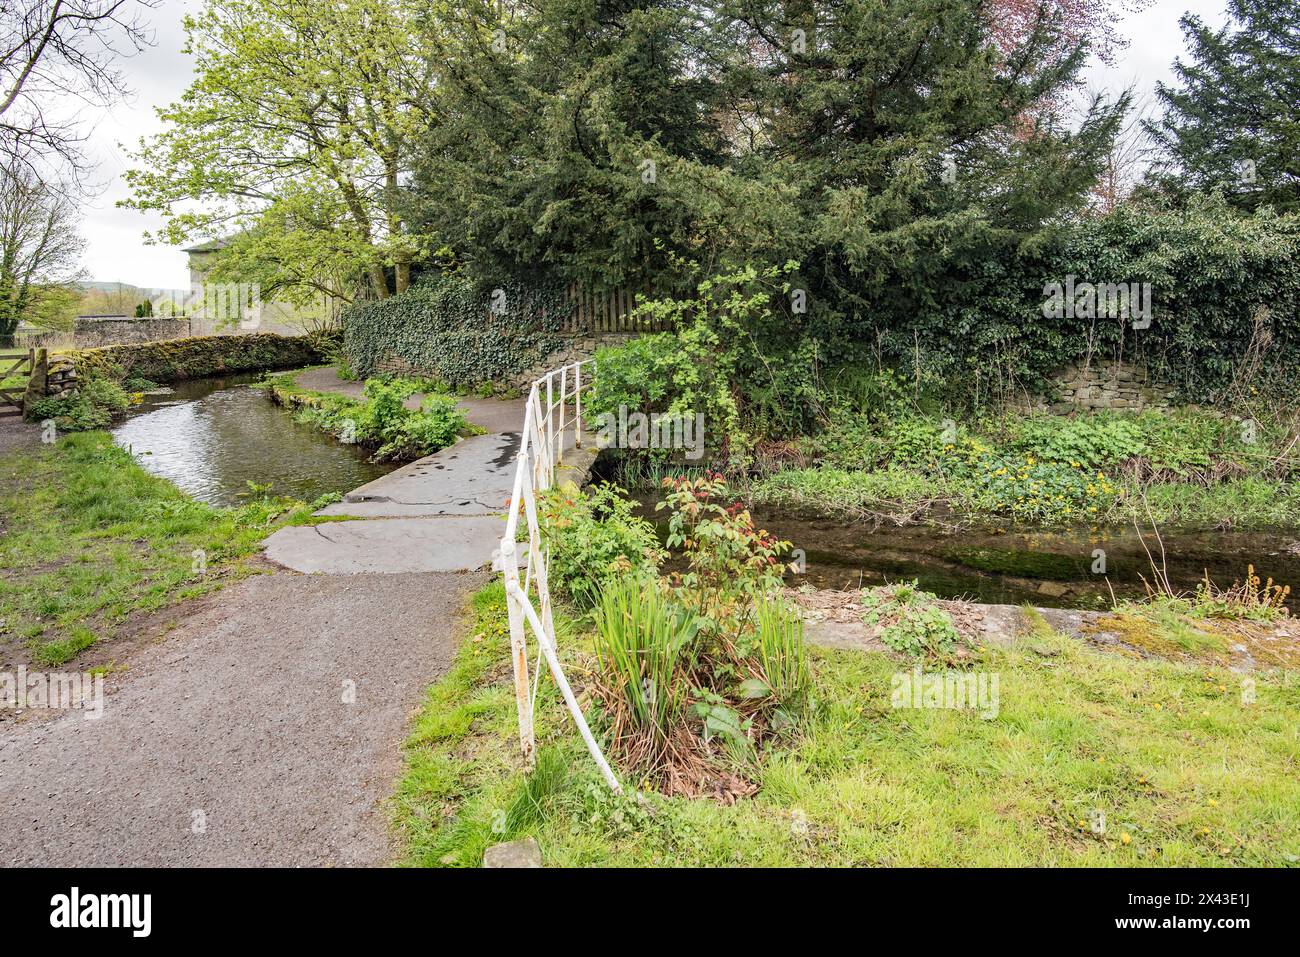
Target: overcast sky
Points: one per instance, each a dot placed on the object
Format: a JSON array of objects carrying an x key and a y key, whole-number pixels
[{"x": 117, "y": 251}]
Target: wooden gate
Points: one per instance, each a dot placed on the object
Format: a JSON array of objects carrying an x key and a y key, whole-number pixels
[{"x": 11, "y": 364}]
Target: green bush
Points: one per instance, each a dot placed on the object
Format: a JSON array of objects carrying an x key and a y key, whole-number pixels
[
  {"x": 1224, "y": 293},
  {"x": 1091, "y": 442},
  {"x": 912, "y": 623},
  {"x": 1031, "y": 490},
  {"x": 97, "y": 401},
  {"x": 594, "y": 538},
  {"x": 381, "y": 420}
]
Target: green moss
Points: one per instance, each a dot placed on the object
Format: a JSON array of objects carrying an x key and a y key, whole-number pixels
[
  {"x": 195, "y": 357},
  {"x": 1020, "y": 563}
]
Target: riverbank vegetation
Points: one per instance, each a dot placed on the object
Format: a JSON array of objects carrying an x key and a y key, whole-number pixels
[
  {"x": 90, "y": 542},
  {"x": 380, "y": 419},
  {"x": 894, "y": 462},
  {"x": 1093, "y": 759}
]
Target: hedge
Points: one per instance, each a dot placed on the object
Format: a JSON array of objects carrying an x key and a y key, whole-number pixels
[
  {"x": 1224, "y": 290},
  {"x": 192, "y": 358},
  {"x": 446, "y": 326}
]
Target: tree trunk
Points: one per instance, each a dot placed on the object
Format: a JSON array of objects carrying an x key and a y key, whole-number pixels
[
  {"x": 378, "y": 281},
  {"x": 403, "y": 277}
]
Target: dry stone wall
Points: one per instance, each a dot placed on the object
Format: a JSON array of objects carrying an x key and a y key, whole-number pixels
[{"x": 1109, "y": 385}]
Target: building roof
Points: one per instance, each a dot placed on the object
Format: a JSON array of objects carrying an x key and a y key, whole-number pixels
[{"x": 211, "y": 246}]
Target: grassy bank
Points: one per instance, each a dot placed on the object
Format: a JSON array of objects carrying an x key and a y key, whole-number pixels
[
  {"x": 1183, "y": 770},
  {"x": 903, "y": 496},
  {"x": 379, "y": 420},
  {"x": 1184, "y": 467},
  {"x": 89, "y": 541}
]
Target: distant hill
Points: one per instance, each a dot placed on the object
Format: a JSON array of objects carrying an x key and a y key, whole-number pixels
[{"x": 122, "y": 288}]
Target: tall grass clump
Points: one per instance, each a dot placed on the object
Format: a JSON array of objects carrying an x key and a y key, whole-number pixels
[
  {"x": 780, "y": 652},
  {"x": 645, "y": 653}
]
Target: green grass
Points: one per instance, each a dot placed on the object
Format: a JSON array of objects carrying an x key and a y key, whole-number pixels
[
  {"x": 90, "y": 538},
  {"x": 1168, "y": 752}
]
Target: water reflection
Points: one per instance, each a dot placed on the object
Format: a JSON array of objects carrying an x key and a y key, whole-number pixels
[{"x": 213, "y": 436}]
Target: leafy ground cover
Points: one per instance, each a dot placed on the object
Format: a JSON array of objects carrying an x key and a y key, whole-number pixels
[
  {"x": 380, "y": 420},
  {"x": 89, "y": 539},
  {"x": 1093, "y": 759},
  {"x": 1184, "y": 467}
]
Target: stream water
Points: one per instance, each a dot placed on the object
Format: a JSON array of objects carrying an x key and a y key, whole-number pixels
[
  {"x": 214, "y": 436},
  {"x": 1011, "y": 566}
]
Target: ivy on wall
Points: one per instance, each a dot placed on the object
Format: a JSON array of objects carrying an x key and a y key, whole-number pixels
[
  {"x": 458, "y": 330},
  {"x": 1224, "y": 290}
]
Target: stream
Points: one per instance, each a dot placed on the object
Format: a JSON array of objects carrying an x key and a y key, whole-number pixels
[
  {"x": 214, "y": 436},
  {"x": 1013, "y": 566}
]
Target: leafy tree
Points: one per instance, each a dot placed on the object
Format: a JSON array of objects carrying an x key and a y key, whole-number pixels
[
  {"x": 299, "y": 127},
  {"x": 914, "y": 143},
  {"x": 1231, "y": 122},
  {"x": 607, "y": 138},
  {"x": 566, "y": 130},
  {"x": 1095, "y": 20}
]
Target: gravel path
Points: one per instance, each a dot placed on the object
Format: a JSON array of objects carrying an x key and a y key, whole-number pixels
[
  {"x": 229, "y": 742},
  {"x": 237, "y": 720},
  {"x": 15, "y": 433}
]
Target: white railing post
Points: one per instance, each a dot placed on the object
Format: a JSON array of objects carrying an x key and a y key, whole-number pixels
[
  {"x": 564, "y": 382},
  {"x": 539, "y": 456},
  {"x": 577, "y": 397},
  {"x": 518, "y": 639},
  {"x": 550, "y": 423}
]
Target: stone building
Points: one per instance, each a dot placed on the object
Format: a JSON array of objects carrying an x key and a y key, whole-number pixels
[{"x": 221, "y": 309}]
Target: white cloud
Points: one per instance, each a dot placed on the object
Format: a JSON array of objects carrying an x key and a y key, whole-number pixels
[
  {"x": 1155, "y": 41},
  {"x": 116, "y": 248}
]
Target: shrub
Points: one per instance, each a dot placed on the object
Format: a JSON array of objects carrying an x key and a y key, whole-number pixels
[
  {"x": 594, "y": 538},
  {"x": 93, "y": 406},
  {"x": 1091, "y": 442},
  {"x": 729, "y": 560},
  {"x": 381, "y": 420},
  {"x": 1034, "y": 491},
  {"x": 1223, "y": 291}
]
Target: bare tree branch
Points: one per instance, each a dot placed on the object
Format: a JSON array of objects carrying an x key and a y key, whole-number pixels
[{"x": 56, "y": 50}]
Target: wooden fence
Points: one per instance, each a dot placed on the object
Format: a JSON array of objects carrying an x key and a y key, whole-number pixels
[{"x": 612, "y": 311}]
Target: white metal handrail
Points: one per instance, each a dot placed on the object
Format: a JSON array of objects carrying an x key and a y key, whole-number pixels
[{"x": 541, "y": 450}]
